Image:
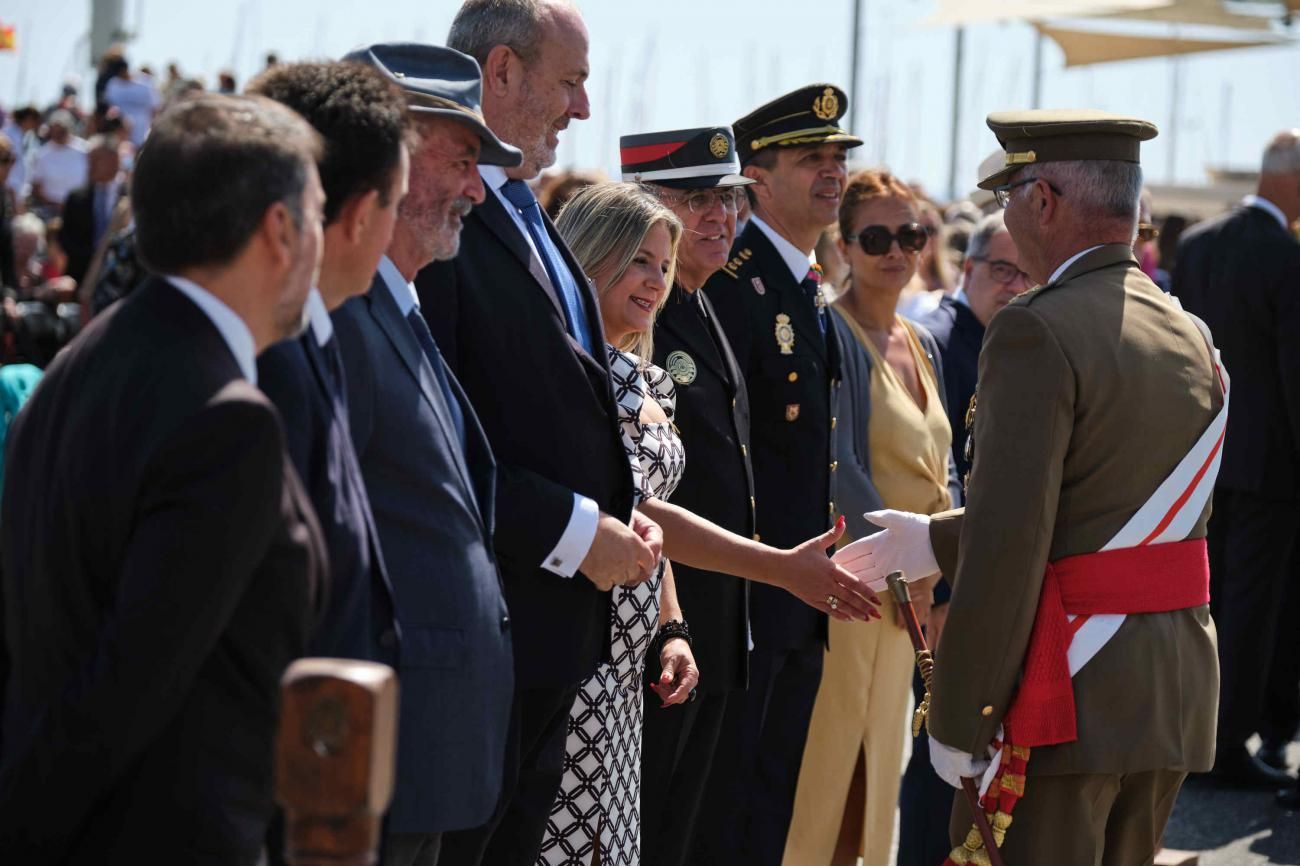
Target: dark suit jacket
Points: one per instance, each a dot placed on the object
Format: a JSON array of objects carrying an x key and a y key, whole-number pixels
[
  {"x": 549, "y": 412},
  {"x": 792, "y": 399},
  {"x": 1240, "y": 273},
  {"x": 162, "y": 566},
  {"x": 359, "y": 621},
  {"x": 433, "y": 507},
  {"x": 78, "y": 233},
  {"x": 713, "y": 419},
  {"x": 959, "y": 335}
]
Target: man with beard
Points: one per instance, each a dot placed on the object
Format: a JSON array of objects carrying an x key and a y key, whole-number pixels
[
  {"x": 162, "y": 565},
  {"x": 519, "y": 324},
  {"x": 768, "y": 299},
  {"x": 430, "y": 474}
]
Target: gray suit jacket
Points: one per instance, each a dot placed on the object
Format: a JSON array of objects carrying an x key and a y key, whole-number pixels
[
  {"x": 433, "y": 506},
  {"x": 854, "y": 491}
]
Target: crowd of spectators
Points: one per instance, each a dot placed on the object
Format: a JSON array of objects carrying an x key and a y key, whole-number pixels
[
  {"x": 65, "y": 170},
  {"x": 912, "y": 305}
]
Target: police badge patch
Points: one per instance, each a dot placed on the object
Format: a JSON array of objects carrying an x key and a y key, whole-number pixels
[
  {"x": 681, "y": 367},
  {"x": 784, "y": 335},
  {"x": 758, "y": 285}
]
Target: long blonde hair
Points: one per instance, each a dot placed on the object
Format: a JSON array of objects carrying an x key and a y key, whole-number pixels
[{"x": 604, "y": 225}]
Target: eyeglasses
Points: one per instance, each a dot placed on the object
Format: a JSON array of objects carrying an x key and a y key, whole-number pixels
[
  {"x": 876, "y": 240},
  {"x": 705, "y": 200},
  {"x": 1005, "y": 272},
  {"x": 1148, "y": 232},
  {"x": 1003, "y": 193}
]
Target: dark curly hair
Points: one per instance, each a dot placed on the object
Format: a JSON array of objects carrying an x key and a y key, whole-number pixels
[{"x": 359, "y": 113}]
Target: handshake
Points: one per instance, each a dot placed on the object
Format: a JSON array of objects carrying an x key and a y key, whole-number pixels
[{"x": 903, "y": 545}]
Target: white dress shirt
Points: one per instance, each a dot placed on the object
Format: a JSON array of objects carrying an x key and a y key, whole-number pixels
[
  {"x": 580, "y": 532},
  {"x": 1056, "y": 274},
  {"x": 239, "y": 339},
  {"x": 795, "y": 259},
  {"x": 402, "y": 291},
  {"x": 318, "y": 317},
  {"x": 1268, "y": 207}
]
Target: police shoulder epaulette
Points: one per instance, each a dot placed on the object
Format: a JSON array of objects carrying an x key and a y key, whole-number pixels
[{"x": 732, "y": 267}]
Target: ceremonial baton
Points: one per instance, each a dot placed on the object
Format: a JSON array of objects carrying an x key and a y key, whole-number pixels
[{"x": 925, "y": 664}]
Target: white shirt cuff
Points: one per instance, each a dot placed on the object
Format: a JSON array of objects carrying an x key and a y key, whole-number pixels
[{"x": 573, "y": 545}]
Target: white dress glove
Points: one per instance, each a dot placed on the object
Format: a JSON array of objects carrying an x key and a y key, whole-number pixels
[
  {"x": 903, "y": 545},
  {"x": 952, "y": 765}
]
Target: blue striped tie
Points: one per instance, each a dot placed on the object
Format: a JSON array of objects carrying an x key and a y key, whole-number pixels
[{"x": 519, "y": 195}]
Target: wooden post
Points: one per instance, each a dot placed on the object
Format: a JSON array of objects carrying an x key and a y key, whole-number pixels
[{"x": 334, "y": 759}]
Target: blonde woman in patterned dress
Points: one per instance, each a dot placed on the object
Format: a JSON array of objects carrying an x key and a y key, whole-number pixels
[{"x": 627, "y": 242}]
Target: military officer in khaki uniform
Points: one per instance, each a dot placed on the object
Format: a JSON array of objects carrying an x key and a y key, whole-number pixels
[{"x": 1097, "y": 425}]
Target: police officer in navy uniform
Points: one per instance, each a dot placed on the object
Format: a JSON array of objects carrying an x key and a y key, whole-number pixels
[
  {"x": 709, "y": 525},
  {"x": 696, "y": 172},
  {"x": 769, "y": 301}
]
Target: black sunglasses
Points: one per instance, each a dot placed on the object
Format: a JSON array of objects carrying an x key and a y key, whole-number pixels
[{"x": 876, "y": 240}]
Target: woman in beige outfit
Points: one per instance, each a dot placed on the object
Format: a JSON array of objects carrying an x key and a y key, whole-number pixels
[{"x": 893, "y": 454}]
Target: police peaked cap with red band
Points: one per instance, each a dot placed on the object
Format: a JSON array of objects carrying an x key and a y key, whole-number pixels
[{"x": 682, "y": 158}]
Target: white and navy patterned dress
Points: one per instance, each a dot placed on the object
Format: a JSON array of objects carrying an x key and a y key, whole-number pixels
[{"x": 600, "y": 794}]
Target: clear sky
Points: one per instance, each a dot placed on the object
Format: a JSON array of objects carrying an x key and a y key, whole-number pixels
[{"x": 680, "y": 63}]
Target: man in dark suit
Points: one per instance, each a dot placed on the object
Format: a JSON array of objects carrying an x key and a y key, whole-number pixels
[
  {"x": 88, "y": 210},
  {"x": 990, "y": 279},
  {"x": 769, "y": 301},
  {"x": 431, "y": 475},
  {"x": 162, "y": 565},
  {"x": 1241, "y": 274},
  {"x": 362, "y": 117},
  {"x": 518, "y": 322}
]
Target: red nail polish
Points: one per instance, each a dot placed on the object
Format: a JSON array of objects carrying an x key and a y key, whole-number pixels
[{"x": 839, "y": 524}]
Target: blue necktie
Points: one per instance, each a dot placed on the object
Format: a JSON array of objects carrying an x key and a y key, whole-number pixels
[
  {"x": 519, "y": 195},
  {"x": 425, "y": 338}
]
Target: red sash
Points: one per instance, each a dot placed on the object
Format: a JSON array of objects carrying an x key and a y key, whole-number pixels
[{"x": 1154, "y": 578}]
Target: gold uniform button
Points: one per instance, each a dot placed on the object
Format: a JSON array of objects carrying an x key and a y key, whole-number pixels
[
  {"x": 751, "y": 503},
  {"x": 733, "y": 402},
  {"x": 987, "y": 711},
  {"x": 793, "y": 377},
  {"x": 833, "y": 420},
  {"x": 830, "y": 508},
  {"x": 744, "y": 451},
  {"x": 835, "y": 464},
  {"x": 757, "y": 537}
]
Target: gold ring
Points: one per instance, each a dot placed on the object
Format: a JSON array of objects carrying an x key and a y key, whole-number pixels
[{"x": 832, "y": 602}]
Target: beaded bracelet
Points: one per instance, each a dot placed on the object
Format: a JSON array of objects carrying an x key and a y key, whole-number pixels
[{"x": 674, "y": 628}]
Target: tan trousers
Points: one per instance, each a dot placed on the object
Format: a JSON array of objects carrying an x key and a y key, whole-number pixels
[
  {"x": 862, "y": 707},
  {"x": 1084, "y": 820}
]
